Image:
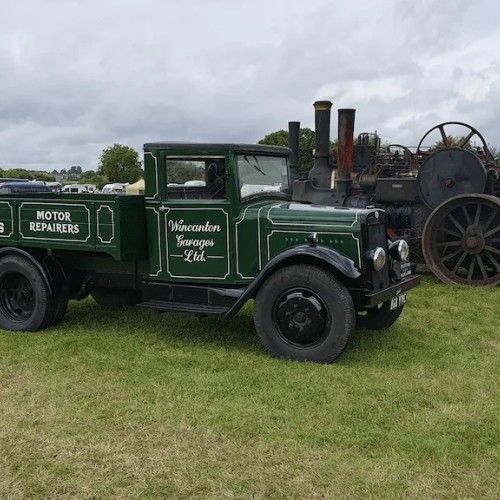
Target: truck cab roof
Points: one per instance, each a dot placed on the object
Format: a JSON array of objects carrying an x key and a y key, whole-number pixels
[{"x": 202, "y": 146}]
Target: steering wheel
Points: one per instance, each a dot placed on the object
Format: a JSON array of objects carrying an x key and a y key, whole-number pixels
[{"x": 217, "y": 178}]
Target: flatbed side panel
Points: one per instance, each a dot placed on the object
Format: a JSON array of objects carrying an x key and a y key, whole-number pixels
[
  {"x": 8, "y": 227},
  {"x": 131, "y": 227},
  {"x": 109, "y": 224}
]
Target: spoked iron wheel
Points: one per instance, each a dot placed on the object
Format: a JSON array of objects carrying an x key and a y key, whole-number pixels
[
  {"x": 17, "y": 298},
  {"x": 469, "y": 136},
  {"x": 461, "y": 240}
]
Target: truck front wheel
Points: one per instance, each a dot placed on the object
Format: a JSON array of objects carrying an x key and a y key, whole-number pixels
[
  {"x": 304, "y": 313},
  {"x": 24, "y": 295}
]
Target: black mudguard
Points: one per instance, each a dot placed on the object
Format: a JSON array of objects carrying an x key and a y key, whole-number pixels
[{"x": 311, "y": 254}]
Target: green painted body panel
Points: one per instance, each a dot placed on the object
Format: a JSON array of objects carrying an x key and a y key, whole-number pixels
[
  {"x": 264, "y": 230},
  {"x": 107, "y": 224}
]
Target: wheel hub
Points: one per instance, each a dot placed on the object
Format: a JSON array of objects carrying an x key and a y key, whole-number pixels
[
  {"x": 301, "y": 317},
  {"x": 16, "y": 297},
  {"x": 473, "y": 240}
]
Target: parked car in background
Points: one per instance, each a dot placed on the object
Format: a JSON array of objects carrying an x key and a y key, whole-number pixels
[
  {"x": 55, "y": 187},
  {"x": 114, "y": 188},
  {"x": 23, "y": 187},
  {"x": 79, "y": 188},
  {"x": 12, "y": 179}
]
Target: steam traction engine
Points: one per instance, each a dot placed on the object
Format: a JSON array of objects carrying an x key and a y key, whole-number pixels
[{"x": 445, "y": 202}]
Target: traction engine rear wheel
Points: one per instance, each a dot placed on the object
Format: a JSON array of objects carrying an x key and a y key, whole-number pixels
[{"x": 461, "y": 240}]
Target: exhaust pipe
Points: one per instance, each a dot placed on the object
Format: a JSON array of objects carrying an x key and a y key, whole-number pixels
[
  {"x": 345, "y": 152},
  {"x": 321, "y": 173},
  {"x": 326, "y": 185},
  {"x": 293, "y": 144}
]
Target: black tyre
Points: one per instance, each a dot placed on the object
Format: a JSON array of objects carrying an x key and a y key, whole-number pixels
[
  {"x": 115, "y": 297},
  {"x": 303, "y": 313},
  {"x": 378, "y": 318},
  {"x": 24, "y": 295},
  {"x": 57, "y": 309}
]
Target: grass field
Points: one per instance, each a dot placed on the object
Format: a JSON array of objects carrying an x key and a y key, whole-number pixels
[{"x": 130, "y": 404}]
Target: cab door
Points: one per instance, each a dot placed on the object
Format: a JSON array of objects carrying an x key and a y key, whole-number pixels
[{"x": 193, "y": 221}]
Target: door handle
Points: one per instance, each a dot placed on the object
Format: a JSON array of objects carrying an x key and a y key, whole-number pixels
[{"x": 161, "y": 208}]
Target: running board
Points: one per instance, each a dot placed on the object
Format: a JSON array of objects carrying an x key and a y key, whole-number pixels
[{"x": 202, "y": 309}]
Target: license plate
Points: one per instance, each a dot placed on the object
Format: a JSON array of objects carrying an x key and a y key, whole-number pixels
[
  {"x": 398, "y": 301},
  {"x": 405, "y": 269}
]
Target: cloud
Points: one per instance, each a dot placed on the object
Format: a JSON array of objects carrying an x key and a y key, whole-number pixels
[{"x": 80, "y": 76}]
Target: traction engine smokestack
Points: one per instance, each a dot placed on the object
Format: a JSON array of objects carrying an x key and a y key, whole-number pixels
[
  {"x": 321, "y": 173},
  {"x": 293, "y": 144},
  {"x": 345, "y": 152}
]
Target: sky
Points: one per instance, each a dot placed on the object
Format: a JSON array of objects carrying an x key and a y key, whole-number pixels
[{"x": 79, "y": 76}]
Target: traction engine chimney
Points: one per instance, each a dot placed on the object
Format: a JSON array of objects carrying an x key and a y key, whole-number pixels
[
  {"x": 345, "y": 153},
  {"x": 321, "y": 173},
  {"x": 293, "y": 144}
]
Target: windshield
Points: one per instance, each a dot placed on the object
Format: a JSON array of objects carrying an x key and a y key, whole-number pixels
[{"x": 262, "y": 174}]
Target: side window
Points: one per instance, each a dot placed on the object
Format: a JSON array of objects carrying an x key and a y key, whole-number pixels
[{"x": 196, "y": 178}]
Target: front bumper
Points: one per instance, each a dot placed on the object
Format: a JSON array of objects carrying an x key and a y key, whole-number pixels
[{"x": 364, "y": 299}]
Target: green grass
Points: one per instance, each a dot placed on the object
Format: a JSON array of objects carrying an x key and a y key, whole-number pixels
[{"x": 130, "y": 404}]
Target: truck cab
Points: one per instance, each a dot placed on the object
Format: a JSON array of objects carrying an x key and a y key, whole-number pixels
[
  {"x": 223, "y": 227},
  {"x": 216, "y": 227},
  {"x": 204, "y": 202}
]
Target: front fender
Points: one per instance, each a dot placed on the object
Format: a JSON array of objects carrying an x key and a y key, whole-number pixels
[{"x": 312, "y": 254}]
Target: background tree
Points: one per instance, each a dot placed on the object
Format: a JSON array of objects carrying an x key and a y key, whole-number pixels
[
  {"x": 43, "y": 176},
  {"x": 92, "y": 177},
  {"x": 180, "y": 172},
  {"x": 18, "y": 173},
  {"x": 120, "y": 164},
  {"x": 453, "y": 140},
  {"x": 75, "y": 172},
  {"x": 306, "y": 146}
]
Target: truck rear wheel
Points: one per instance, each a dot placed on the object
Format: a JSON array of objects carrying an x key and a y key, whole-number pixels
[
  {"x": 24, "y": 295},
  {"x": 378, "y": 318},
  {"x": 303, "y": 313},
  {"x": 57, "y": 309},
  {"x": 115, "y": 297}
]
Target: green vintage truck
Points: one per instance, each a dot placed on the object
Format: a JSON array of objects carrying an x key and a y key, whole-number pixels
[{"x": 216, "y": 227}]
